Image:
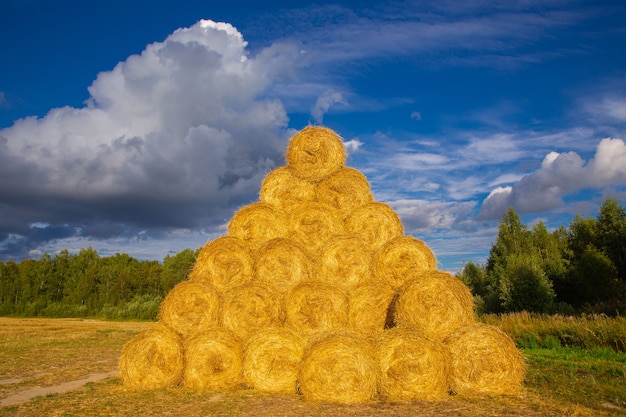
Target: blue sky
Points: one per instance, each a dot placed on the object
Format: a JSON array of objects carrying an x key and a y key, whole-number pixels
[{"x": 140, "y": 127}]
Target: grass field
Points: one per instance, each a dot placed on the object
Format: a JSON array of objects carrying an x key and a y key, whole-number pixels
[{"x": 562, "y": 380}]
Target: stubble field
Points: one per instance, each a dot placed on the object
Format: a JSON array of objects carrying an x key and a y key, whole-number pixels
[{"x": 68, "y": 367}]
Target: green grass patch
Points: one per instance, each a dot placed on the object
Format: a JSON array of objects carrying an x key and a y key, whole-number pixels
[{"x": 593, "y": 378}]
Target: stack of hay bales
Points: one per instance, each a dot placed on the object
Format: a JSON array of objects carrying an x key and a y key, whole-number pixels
[{"x": 316, "y": 290}]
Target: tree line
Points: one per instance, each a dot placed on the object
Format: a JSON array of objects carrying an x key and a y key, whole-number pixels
[
  {"x": 581, "y": 268},
  {"x": 86, "y": 284}
]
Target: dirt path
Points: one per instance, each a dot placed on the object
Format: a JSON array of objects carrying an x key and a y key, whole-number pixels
[{"x": 27, "y": 395}]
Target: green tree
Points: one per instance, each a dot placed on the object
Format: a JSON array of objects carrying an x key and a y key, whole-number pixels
[
  {"x": 611, "y": 234},
  {"x": 592, "y": 278},
  {"x": 475, "y": 277},
  {"x": 176, "y": 268},
  {"x": 527, "y": 286},
  {"x": 513, "y": 238}
]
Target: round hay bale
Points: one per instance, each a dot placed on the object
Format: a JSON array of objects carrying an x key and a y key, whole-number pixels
[
  {"x": 345, "y": 261},
  {"x": 191, "y": 307},
  {"x": 152, "y": 359},
  {"x": 484, "y": 361},
  {"x": 315, "y": 307},
  {"x": 412, "y": 367},
  {"x": 250, "y": 308},
  {"x": 314, "y": 153},
  {"x": 257, "y": 223},
  {"x": 399, "y": 258},
  {"x": 282, "y": 263},
  {"x": 312, "y": 225},
  {"x": 376, "y": 223},
  {"x": 338, "y": 367},
  {"x": 213, "y": 361},
  {"x": 435, "y": 303},
  {"x": 369, "y": 304},
  {"x": 346, "y": 190},
  {"x": 226, "y": 262},
  {"x": 271, "y": 360},
  {"x": 283, "y": 189}
]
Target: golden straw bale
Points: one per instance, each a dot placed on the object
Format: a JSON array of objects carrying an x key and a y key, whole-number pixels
[
  {"x": 484, "y": 361},
  {"x": 257, "y": 223},
  {"x": 400, "y": 258},
  {"x": 376, "y": 223},
  {"x": 314, "y": 153},
  {"x": 282, "y": 263},
  {"x": 152, "y": 359},
  {"x": 346, "y": 190},
  {"x": 345, "y": 261},
  {"x": 313, "y": 224},
  {"x": 314, "y": 307},
  {"x": 213, "y": 361},
  {"x": 271, "y": 360},
  {"x": 369, "y": 304},
  {"x": 191, "y": 307},
  {"x": 435, "y": 303},
  {"x": 226, "y": 262},
  {"x": 412, "y": 367},
  {"x": 283, "y": 189},
  {"x": 338, "y": 367},
  {"x": 250, "y": 308}
]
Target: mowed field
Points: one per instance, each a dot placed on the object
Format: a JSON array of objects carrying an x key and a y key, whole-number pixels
[{"x": 68, "y": 367}]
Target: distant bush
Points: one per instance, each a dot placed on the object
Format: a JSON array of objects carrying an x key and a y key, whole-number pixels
[
  {"x": 59, "y": 310},
  {"x": 143, "y": 307}
]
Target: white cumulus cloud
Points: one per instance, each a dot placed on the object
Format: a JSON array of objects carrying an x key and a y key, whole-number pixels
[
  {"x": 175, "y": 136},
  {"x": 560, "y": 174}
]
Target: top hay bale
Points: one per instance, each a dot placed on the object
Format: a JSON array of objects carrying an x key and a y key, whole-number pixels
[{"x": 315, "y": 153}]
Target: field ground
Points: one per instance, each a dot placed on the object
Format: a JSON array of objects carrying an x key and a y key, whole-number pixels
[{"x": 36, "y": 353}]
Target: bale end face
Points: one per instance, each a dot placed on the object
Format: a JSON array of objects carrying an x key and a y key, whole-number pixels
[
  {"x": 315, "y": 153},
  {"x": 485, "y": 361},
  {"x": 338, "y": 367},
  {"x": 412, "y": 367},
  {"x": 153, "y": 359}
]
